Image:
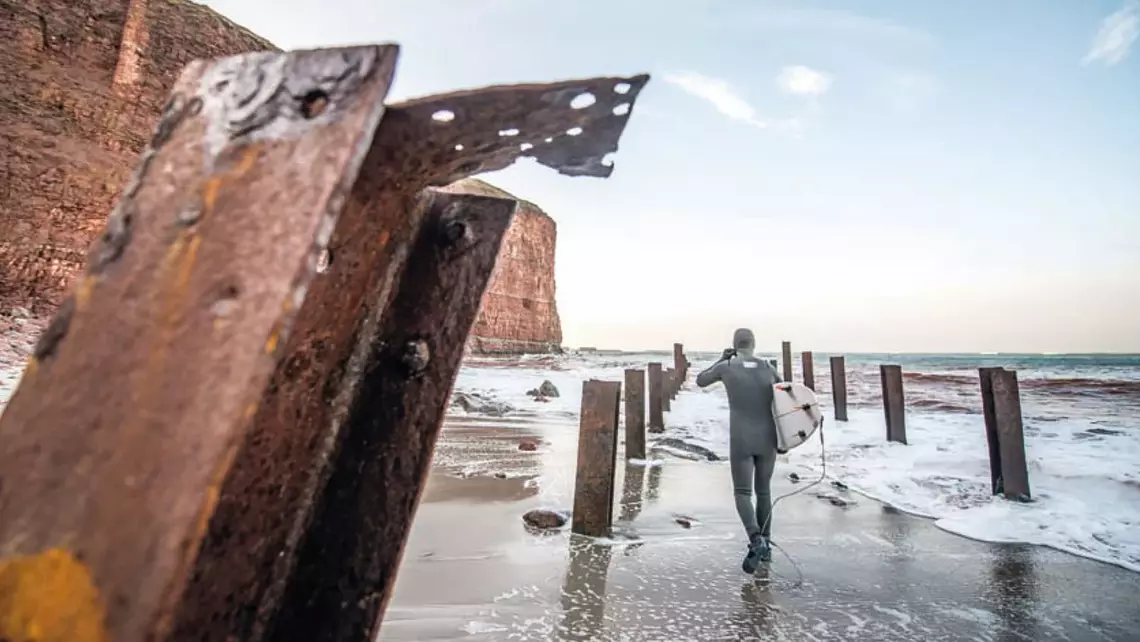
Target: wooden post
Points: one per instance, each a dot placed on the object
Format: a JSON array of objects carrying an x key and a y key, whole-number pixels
[
  {"x": 226, "y": 429},
  {"x": 656, "y": 398},
  {"x": 597, "y": 458},
  {"x": 1005, "y": 437},
  {"x": 667, "y": 390},
  {"x": 679, "y": 363},
  {"x": 787, "y": 349},
  {"x": 635, "y": 414},
  {"x": 673, "y": 377},
  {"x": 894, "y": 406},
  {"x": 809, "y": 370},
  {"x": 839, "y": 388}
]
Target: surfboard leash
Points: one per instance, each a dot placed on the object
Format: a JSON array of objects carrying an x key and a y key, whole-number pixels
[{"x": 822, "y": 476}]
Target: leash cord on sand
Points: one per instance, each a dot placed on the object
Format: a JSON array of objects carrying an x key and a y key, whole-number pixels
[{"x": 823, "y": 475}]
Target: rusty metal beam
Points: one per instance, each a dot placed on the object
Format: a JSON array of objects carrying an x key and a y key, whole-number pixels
[{"x": 187, "y": 434}]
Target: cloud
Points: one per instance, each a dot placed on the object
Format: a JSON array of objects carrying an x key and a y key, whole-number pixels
[
  {"x": 1116, "y": 36},
  {"x": 804, "y": 81},
  {"x": 719, "y": 94}
]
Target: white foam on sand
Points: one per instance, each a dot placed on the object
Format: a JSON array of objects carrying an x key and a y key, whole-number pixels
[{"x": 1085, "y": 486}]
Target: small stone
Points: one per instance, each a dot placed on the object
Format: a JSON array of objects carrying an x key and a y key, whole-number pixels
[
  {"x": 544, "y": 519},
  {"x": 683, "y": 521},
  {"x": 794, "y": 478},
  {"x": 547, "y": 389},
  {"x": 528, "y": 445},
  {"x": 500, "y": 475},
  {"x": 839, "y": 485}
]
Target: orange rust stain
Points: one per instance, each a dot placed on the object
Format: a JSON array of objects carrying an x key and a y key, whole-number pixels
[
  {"x": 271, "y": 344},
  {"x": 384, "y": 234},
  {"x": 214, "y": 184},
  {"x": 49, "y": 597}
]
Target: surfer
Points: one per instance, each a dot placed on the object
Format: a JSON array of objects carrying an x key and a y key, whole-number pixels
[{"x": 752, "y": 438}]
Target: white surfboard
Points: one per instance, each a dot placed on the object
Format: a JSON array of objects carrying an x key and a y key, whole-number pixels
[{"x": 797, "y": 414}]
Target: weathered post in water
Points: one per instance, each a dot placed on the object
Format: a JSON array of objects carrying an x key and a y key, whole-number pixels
[
  {"x": 894, "y": 405},
  {"x": 635, "y": 414},
  {"x": 809, "y": 369},
  {"x": 839, "y": 387},
  {"x": 597, "y": 458},
  {"x": 680, "y": 364},
  {"x": 1005, "y": 436},
  {"x": 667, "y": 390},
  {"x": 787, "y": 354},
  {"x": 656, "y": 398},
  {"x": 261, "y": 350}
]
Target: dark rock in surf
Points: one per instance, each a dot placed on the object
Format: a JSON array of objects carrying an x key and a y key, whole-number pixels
[
  {"x": 544, "y": 519},
  {"x": 476, "y": 403},
  {"x": 795, "y": 479},
  {"x": 528, "y": 445}
]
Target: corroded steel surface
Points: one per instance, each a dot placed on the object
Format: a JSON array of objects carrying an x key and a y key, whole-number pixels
[
  {"x": 128, "y": 416},
  {"x": 597, "y": 452},
  {"x": 346, "y": 567},
  {"x": 196, "y": 433}
]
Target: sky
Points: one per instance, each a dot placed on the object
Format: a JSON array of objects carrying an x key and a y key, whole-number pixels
[{"x": 860, "y": 176}]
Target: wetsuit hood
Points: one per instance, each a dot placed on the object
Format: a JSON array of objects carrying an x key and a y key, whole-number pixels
[{"x": 744, "y": 341}]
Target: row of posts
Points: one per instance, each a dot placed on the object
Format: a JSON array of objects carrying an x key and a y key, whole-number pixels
[
  {"x": 1001, "y": 409},
  {"x": 598, "y": 434},
  {"x": 601, "y": 404}
]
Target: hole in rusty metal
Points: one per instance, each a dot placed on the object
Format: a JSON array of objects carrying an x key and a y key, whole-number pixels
[
  {"x": 459, "y": 148},
  {"x": 583, "y": 100},
  {"x": 226, "y": 301},
  {"x": 574, "y": 131},
  {"x": 443, "y": 116},
  {"x": 621, "y": 110},
  {"x": 509, "y": 132},
  {"x": 525, "y": 146},
  {"x": 622, "y": 88},
  {"x": 324, "y": 260},
  {"x": 314, "y": 103}
]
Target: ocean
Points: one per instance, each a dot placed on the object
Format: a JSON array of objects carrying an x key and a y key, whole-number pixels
[{"x": 1082, "y": 434}]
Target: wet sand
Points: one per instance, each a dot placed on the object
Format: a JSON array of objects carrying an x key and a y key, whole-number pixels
[{"x": 859, "y": 572}]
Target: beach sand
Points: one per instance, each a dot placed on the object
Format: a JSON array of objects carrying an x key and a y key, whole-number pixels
[{"x": 471, "y": 571}]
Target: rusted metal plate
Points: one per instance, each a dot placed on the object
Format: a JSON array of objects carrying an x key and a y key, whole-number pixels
[
  {"x": 1011, "y": 434},
  {"x": 347, "y": 564},
  {"x": 656, "y": 398},
  {"x": 235, "y": 263},
  {"x": 128, "y": 416},
  {"x": 597, "y": 453},
  {"x": 839, "y": 387},
  {"x": 634, "y": 414},
  {"x": 894, "y": 404},
  {"x": 266, "y": 506}
]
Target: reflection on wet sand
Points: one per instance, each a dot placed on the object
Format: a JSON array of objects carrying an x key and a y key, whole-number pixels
[
  {"x": 632, "y": 486},
  {"x": 1013, "y": 589},
  {"x": 654, "y": 484},
  {"x": 756, "y": 617},
  {"x": 584, "y": 590}
]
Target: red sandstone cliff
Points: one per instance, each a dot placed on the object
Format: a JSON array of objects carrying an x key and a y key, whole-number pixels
[
  {"x": 519, "y": 314},
  {"x": 84, "y": 82}
]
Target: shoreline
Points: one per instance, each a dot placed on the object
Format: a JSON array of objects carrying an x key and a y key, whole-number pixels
[{"x": 870, "y": 570}]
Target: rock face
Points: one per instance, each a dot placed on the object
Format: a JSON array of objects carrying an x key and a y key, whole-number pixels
[
  {"x": 84, "y": 83},
  {"x": 519, "y": 314}
]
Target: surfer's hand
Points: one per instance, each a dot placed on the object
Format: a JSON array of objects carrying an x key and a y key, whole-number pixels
[{"x": 727, "y": 354}]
